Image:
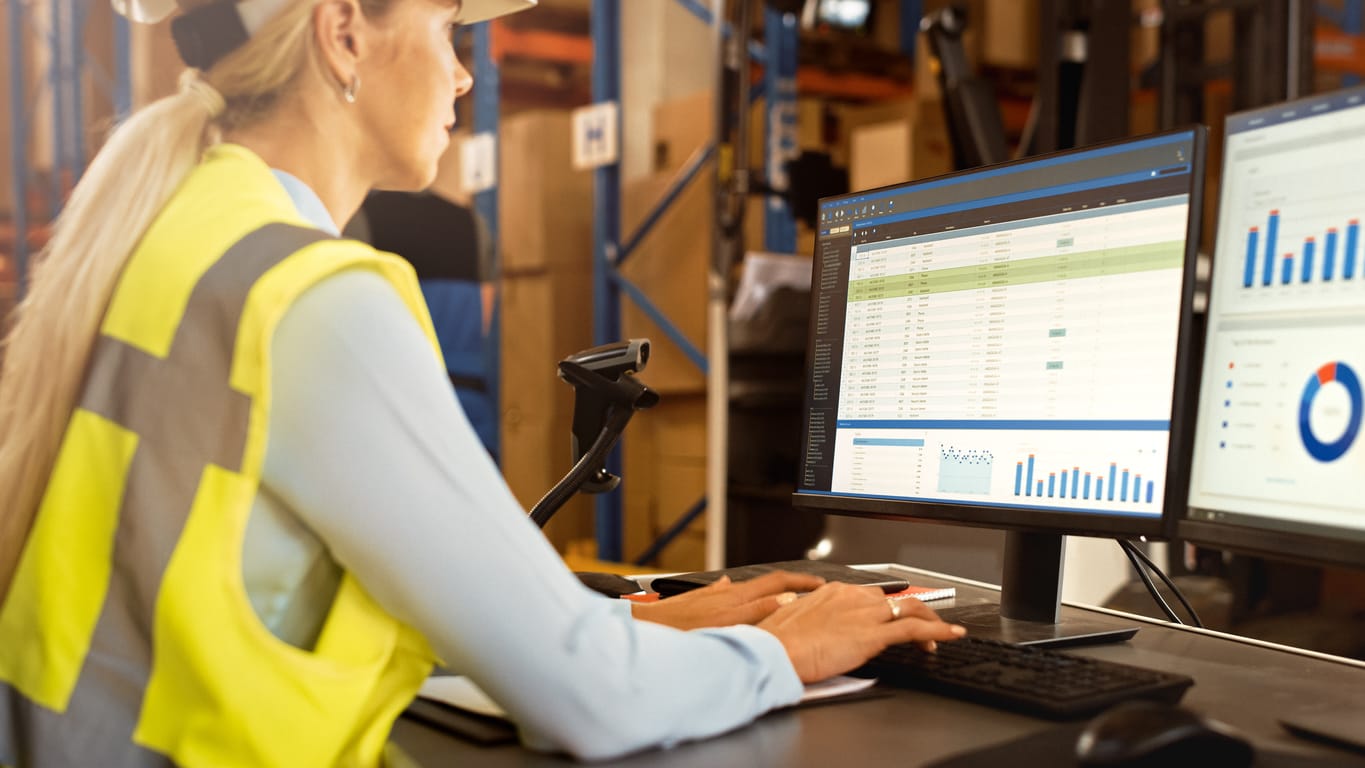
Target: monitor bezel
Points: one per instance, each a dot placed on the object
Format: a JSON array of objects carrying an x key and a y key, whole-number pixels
[
  {"x": 1179, "y": 445},
  {"x": 1239, "y": 534}
]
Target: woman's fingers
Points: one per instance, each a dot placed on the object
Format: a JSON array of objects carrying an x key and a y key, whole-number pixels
[
  {"x": 778, "y": 582},
  {"x": 922, "y": 631}
]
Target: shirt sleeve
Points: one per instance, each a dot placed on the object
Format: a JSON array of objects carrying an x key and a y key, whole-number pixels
[{"x": 369, "y": 448}]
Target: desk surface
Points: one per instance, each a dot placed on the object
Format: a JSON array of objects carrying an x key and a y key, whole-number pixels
[{"x": 1242, "y": 682}]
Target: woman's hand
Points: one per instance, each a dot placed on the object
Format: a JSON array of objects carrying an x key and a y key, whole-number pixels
[
  {"x": 725, "y": 603},
  {"x": 839, "y": 626}
]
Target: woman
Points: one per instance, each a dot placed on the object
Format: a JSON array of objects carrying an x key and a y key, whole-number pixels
[{"x": 242, "y": 512}]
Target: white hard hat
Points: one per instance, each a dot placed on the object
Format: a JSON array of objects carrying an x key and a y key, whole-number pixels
[
  {"x": 152, "y": 11},
  {"x": 144, "y": 11}
]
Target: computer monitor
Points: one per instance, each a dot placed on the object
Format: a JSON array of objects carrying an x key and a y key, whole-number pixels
[
  {"x": 1278, "y": 468},
  {"x": 1009, "y": 347},
  {"x": 844, "y": 14}
]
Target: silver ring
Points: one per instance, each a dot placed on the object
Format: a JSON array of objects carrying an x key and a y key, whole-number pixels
[{"x": 895, "y": 607}]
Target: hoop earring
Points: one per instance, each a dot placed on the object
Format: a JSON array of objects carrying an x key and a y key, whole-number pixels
[{"x": 348, "y": 91}]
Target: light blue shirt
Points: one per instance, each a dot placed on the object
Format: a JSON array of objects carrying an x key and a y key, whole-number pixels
[{"x": 371, "y": 457}]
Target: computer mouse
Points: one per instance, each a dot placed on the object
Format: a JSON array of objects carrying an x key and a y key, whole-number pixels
[
  {"x": 1145, "y": 733},
  {"x": 608, "y": 584}
]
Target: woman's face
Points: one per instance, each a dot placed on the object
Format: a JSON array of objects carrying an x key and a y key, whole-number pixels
[{"x": 408, "y": 87}]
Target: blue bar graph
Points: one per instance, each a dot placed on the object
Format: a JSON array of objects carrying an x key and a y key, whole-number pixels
[
  {"x": 1329, "y": 255},
  {"x": 1337, "y": 261},
  {"x": 1348, "y": 259},
  {"x": 1272, "y": 229},
  {"x": 1250, "y": 275},
  {"x": 1150, "y": 486},
  {"x": 1065, "y": 483}
]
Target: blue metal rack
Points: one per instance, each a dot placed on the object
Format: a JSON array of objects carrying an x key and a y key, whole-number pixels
[
  {"x": 779, "y": 56},
  {"x": 487, "y": 110},
  {"x": 64, "y": 36},
  {"x": 611, "y": 252}
]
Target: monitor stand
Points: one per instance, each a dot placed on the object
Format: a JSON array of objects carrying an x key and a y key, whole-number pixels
[{"x": 1029, "y": 612}]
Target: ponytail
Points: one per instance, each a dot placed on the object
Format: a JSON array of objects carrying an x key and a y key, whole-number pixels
[{"x": 130, "y": 180}]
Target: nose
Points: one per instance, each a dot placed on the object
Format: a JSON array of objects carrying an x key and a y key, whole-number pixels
[{"x": 464, "y": 81}]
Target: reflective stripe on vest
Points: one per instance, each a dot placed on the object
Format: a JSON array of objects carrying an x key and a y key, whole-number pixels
[{"x": 182, "y": 401}]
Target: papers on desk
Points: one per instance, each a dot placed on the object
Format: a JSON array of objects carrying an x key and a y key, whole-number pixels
[
  {"x": 840, "y": 685},
  {"x": 763, "y": 273},
  {"x": 461, "y": 693}
]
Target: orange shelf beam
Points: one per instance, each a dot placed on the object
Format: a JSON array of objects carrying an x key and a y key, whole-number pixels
[
  {"x": 1336, "y": 51},
  {"x": 540, "y": 44},
  {"x": 814, "y": 81}
]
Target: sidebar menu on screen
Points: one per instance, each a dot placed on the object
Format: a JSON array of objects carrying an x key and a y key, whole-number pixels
[{"x": 825, "y": 356}]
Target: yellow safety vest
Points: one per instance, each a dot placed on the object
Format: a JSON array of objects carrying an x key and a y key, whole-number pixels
[{"x": 127, "y": 638}]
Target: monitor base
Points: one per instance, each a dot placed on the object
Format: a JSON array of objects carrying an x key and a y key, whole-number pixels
[{"x": 984, "y": 620}]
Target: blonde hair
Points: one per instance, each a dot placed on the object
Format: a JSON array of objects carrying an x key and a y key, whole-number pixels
[{"x": 73, "y": 278}]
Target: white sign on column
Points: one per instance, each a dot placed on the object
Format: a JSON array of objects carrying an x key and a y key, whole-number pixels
[
  {"x": 479, "y": 162},
  {"x": 595, "y": 142}
]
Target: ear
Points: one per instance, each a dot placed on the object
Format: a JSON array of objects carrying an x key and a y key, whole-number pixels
[{"x": 340, "y": 28}]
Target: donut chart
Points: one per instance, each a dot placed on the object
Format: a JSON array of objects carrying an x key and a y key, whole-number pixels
[{"x": 1344, "y": 375}]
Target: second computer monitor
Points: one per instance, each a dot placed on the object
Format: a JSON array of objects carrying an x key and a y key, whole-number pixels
[
  {"x": 1278, "y": 462},
  {"x": 1008, "y": 347}
]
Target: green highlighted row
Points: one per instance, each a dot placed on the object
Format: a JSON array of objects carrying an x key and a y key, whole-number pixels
[{"x": 1062, "y": 266}]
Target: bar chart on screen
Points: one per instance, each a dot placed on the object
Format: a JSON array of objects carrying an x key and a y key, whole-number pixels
[
  {"x": 1301, "y": 253},
  {"x": 1041, "y": 465}
]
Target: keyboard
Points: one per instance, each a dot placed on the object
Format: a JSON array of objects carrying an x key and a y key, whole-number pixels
[{"x": 1033, "y": 681}]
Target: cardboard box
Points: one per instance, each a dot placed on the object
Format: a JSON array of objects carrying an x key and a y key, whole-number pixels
[
  {"x": 1146, "y": 36},
  {"x": 547, "y": 306},
  {"x": 664, "y": 475},
  {"x": 1219, "y": 37},
  {"x": 670, "y": 267},
  {"x": 897, "y": 142},
  {"x": 1009, "y": 33},
  {"x": 685, "y": 124},
  {"x": 545, "y": 317},
  {"x": 545, "y": 205}
]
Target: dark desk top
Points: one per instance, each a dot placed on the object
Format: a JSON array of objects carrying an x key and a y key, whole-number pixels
[{"x": 1246, "y": 683}]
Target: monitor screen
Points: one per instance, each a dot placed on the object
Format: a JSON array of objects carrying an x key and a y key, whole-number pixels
[
  {"x": 1008, "y": 346},
  {"x": 844, "y": 14},
  {"x": 1277, "y": 469}
]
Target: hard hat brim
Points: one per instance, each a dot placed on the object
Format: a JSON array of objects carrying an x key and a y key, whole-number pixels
[
  {"x": 482, "y": 10},
  {"x": 144, "y": 11},
  {"x": 152, "y": 11}
]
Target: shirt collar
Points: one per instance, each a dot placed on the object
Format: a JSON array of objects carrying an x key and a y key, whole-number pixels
[{"x": 307, "y": 202}]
